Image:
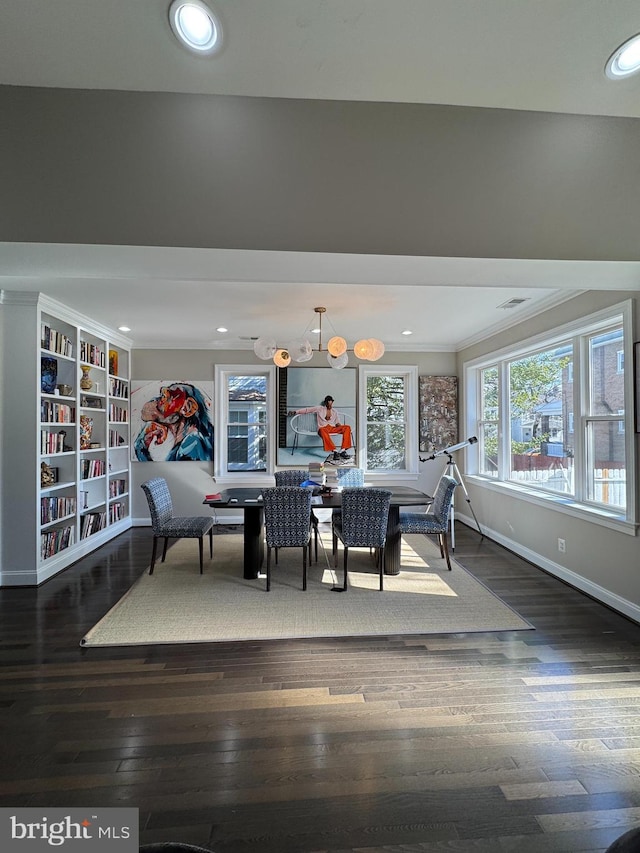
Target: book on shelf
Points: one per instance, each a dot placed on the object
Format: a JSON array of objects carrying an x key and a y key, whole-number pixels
[{"x": 54, "y": 341}]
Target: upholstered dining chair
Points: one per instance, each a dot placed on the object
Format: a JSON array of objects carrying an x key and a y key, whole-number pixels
[
  {"x": 363, "y": 524},
  {"x": 295, "y": 477},
  {"x": 436, "y": 520},
  {"x": 167, "y": 526},
  {"x": 347, "y": 478},
  {"x": 287, "y": 522}
]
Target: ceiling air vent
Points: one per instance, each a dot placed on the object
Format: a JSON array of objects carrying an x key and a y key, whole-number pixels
[{"x": 513, "y": 303}]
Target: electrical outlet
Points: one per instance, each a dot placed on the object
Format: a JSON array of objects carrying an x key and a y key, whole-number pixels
[{"x": 562, "y": 546}]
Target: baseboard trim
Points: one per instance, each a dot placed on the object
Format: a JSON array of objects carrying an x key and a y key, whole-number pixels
[{"x": 599, "y": 593}]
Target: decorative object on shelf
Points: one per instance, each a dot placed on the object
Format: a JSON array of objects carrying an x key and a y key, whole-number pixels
[
  {"x": 85, "y": 382},
  {"x": 113, "y": 362},
  {"x": 86, "y": 428},
  {"x": 65, "y": 390},
  {"x": 301, "y": 350},
  {"x": 91, "y": 402},
  {"x": 48, "y": 374},
  {"x": 66, "y": 448},
  {"x": 48, "y": 475}
]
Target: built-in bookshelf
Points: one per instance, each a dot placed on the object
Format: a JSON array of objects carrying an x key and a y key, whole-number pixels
[{"x": 70, "y": 461}]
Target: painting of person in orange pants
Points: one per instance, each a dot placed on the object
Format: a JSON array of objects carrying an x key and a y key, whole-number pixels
[{"x": 328, "y": 425}]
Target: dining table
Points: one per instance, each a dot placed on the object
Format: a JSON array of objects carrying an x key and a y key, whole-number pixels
[{"x": 249, "y": 502}]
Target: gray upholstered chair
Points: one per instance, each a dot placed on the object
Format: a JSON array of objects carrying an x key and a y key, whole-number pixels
[
  {"x": 167, "y": 526},
  {"x": 287, "y": 522},
  {"x": 436, "y": 520},
  {"x": 294, "y": 477},
  {"x": 363, "y": 524}
]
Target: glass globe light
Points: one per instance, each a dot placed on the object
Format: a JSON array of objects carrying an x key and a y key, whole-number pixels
[
  {"x": 265, "y": 348},
  {"x": 281, "y": 358},
  {"x": 337, "y": 345},
  {"x": 300, "y": 350},
  {"x": 363, "y": 349},
  {"x": 378, "y": 349},
  {"x": 338, "y": 362}
]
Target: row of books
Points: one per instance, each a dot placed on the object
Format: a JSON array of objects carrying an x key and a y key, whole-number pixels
[
  {"x": 91, "y": 523},
  {"x": 90, "y": 468},
  {"x": 116, "y": 512},
  {"x": 92, "y": 354},
  {"x": 54, "y": 541},
  {"x": 55, "y": 341},
  {"x": 118, "y": 414},
  {"x": 115, "y": 439},
  {"x": 54, "y": 508},
  {"x": 119, "y": 388},
  {"x": 52, "y": 442},
  {"x": 56, "y": 413},
  {"x": 117, "y": 487}
]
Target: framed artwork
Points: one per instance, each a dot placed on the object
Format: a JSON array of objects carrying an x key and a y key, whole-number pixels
[
  {"x": 438, "y": 417},
  {"x": 306, "y": 387},
  {"x": 171, "y": 421}
]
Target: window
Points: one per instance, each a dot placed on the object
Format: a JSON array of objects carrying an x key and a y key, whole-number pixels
[
  {"x": 388, "y": 422},
  {"x": 244, "y": 442},
  {"x": 551, "y": 416}
]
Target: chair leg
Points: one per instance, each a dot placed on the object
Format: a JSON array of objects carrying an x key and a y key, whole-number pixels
[
  {"x": 315, "y": 536},
  {"x": 153, "y": 554},
  {"x": 381, "y": 562},
  {"x": 268, "y": 568},
  {"x": 211, "y": 543},
  {"x": 201, "y": 550},
  {"x": 441, "y": 545},
  {"x": 164, "y": 550},
  {"x": 346, "y": 557},
  {"x": 304, "y": 568},
  {"x": 445, "y": 549}
]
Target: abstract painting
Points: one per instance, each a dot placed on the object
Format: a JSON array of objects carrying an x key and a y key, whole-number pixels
[
  {"x": 438, "y": 412},
  {"x": 171, "y": 421}
]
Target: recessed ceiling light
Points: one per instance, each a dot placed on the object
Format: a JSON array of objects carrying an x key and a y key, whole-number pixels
[
  {"x": 407, "y": 332},
  {"x": 124, "y": 328},
  {"x": 221, "y": 329},
  {"x": 195, "y": 26},
  {"x": 625, "y": 60}
]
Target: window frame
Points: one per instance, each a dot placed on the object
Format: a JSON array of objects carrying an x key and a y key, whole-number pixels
[
  {"x": 221, "y": 422},
  {"x": 580, "y": 505},
  {"x": 410, "y": 376}
]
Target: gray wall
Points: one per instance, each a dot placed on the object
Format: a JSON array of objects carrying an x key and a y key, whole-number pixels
[
  {"x": 190, "y": 481},
  {"x": 163, "y": 169},
  {"x": 601, "y": 561}
]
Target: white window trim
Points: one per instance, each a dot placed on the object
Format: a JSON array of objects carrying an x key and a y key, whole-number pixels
[
  {"x": 580, "y": 509},
  {"x": 221, "y": 418},
  {"x": 410, "y": 374}
]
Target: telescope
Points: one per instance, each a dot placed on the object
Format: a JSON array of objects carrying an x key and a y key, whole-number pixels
[{"x": 447, "y": 451}]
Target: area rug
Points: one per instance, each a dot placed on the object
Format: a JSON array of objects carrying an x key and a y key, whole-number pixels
[{"x": 179, "y": 605}]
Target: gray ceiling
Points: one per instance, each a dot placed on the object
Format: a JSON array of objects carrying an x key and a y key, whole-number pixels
[{"x": 544, "y": 56}]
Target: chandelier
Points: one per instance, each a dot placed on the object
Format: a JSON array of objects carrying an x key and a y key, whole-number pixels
[{"x": 300, "y": 350}]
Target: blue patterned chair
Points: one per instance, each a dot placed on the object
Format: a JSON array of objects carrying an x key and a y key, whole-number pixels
[
  {"x": 287, "y": 522},
  {"x": 167, "y": 526},
  {"x": 347, "y": 478},
  {"x": 294, "y": 477},
  {"x": 436, "y": 520},
  {"x": 362, "y": 524}
]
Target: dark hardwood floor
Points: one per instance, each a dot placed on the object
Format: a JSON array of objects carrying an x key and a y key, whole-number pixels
[{"x": 526, "y": 741}]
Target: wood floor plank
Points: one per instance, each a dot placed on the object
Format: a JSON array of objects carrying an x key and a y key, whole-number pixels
[{"x": 508, "y": 741}]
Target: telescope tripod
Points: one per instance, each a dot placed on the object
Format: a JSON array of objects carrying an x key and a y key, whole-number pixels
[{"x": 452, "y": 470}]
